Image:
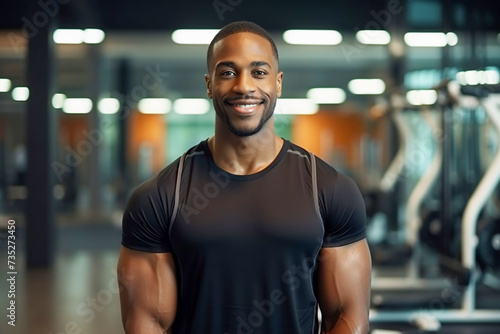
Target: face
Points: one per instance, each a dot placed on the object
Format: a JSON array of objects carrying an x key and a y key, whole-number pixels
[{"x": 244, "y": 82}]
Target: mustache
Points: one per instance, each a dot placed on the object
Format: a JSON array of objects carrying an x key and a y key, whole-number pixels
[{"x": 244, "y": 97}]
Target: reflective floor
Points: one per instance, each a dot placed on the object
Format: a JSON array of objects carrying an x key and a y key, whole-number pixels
[{"x": 80, "y": 294}]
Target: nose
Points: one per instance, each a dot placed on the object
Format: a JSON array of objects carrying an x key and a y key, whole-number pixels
[{"x": 244, "y": 83}]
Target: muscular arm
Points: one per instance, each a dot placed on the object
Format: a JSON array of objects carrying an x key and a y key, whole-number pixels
[
  {"x": 344, "y": 279},
  {"x": 148, "y": 291}
]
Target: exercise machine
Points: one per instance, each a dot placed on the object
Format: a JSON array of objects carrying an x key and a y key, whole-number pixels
[{"x": 480, "y": 249}]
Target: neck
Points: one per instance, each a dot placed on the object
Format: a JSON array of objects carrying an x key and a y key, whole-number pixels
[{"x": 245, "y": 155}]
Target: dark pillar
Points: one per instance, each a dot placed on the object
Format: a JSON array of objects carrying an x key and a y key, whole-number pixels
[
  {"x": 95, "y": 177},
  {"x": 40, "y": 139},
  {"x": 123, "y": 89},
  {"x": 447, "y": 146},
  {"x": 397, "y": 70}
]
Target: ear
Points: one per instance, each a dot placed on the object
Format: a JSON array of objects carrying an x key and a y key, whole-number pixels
[
  {"x": 208, "y": 82},
  {"x": 279, "y": 80}
]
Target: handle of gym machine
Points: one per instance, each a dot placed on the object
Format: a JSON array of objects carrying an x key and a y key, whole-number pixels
[
  {"x": 424, "y": 185},
  {"x": 482, "y": 192},
  {"x": 398, "y": 162}
]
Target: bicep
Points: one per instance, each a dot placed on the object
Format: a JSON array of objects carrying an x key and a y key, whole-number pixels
[
  {"x": 344, "y": 280},
  {"x": 148, "y": 291}
]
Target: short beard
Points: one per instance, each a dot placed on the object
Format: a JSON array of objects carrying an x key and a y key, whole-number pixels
[{"x": 268, "y": 113}]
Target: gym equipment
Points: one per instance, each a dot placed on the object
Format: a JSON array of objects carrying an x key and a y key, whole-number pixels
[
  {"x": 412, "y": 291},
  {"x": 475, "y": 254},
  {"x": 488, "y": 249},
  {"x": 484, "y": 190},
  {"x": 389, "y": 252},
  {"x": 424, "y": 185}
]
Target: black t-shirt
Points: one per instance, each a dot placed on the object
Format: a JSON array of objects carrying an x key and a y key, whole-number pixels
[{"x": 245, "y": 246}]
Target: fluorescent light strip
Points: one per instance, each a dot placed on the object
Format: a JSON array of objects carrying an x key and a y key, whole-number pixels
[
  {"x": 312, "y": 37},
  {"x": 78, "y": 36},
  {"x": 68, "y": 36},
  {"x": 108, "y": 105},
  {"x": 93, "y": 36},
  {"x": 154, "y": 106},
  {"x": 20, "y": 94},
  {"x": 452, "y": 38},
  {"x": 191, "y": 106},
  {"x": 5, "y": 85},
  {"x": 430, "y": 39},
  {"x": 77, "y": 105},
  {"x": 488, "y": 77},
  {"x": 366, "y": 86},
  {"x": 194, "y": 36},
  {"x": 58, "y": 100},
  {"x": 295, "y": 107},
  {"x": 326, "y": 95},
  {"x": 373, "y": 37},
  {"x": 421, "y": 97}
]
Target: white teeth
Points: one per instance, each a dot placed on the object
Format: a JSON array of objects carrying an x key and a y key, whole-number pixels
[{"x": 245, "y": 105}]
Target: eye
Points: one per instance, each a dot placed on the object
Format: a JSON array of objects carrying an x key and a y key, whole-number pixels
[
  {"x": 259, "y": 73},
  {"x": 227, "y": 73}
]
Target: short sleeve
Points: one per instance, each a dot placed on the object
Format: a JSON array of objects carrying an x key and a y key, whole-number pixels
[
  {"x": 341, "y": 206},
  {"x": 145, "y": 221}
]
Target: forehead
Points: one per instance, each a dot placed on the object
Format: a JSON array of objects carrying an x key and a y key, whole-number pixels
[{"x": 243, "y": 47}]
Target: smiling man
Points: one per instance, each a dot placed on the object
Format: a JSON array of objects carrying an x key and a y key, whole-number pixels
[{"x": 246, "y": 232}]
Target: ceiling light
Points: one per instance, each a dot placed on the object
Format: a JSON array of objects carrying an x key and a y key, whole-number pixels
[
  {"x": 93, "y": 36},
  {"x": 194, "y": 36},
  {"x": 472, "y": 77},
  {"x": 77, "y": 105},
  {"x": 68, "y": 36},
  {"x": 58, "y": 100},
  {"x": 108, "y": 105},
  {"x": 326, "y": 95},
  {"x": 373, "y": 37},
  {"x": 312, "y": 37},
  {"x": 430, "y": 39},
  {"x": 421, "y": 97},
  {"x": 154, "y": 106},
  {"x": 295, "y": 107},
  {"x": 5, "y": 85},
  {"x": 366, "y": 86},
  {"x": 491, "y": 77},
  {"x": 452, "y": 39},
  {"x": 20, "y": 93},
  {"x": 191, "y": 106}
]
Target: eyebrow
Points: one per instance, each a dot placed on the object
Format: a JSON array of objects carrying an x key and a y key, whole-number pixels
[{"x": 233, "y": 65}]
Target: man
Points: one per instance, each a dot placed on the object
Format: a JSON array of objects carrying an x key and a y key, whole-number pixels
[{"x": 247, "y": 232}]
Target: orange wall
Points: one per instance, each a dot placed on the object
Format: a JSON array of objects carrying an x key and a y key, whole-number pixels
[
  {"x": 71, "y": 129},
  {"x": 331, "y": 135},
  {"x": 143, "y": 128},
  {"x": 151, "y": 129}
]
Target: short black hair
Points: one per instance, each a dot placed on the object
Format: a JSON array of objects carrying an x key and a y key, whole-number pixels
[{"x": 236, "y": 27}]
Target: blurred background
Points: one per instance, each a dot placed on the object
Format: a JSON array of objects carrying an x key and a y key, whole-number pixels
[{"x": 401, "y": 95}]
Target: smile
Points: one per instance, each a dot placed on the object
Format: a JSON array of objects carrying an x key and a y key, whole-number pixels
[{"x": 245, "y": 105}]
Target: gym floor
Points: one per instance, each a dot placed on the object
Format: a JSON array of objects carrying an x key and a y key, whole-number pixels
[{"x": 80, "y": 294}]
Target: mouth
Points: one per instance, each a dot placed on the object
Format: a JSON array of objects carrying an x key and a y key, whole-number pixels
[{"x": 245, "y": 106}]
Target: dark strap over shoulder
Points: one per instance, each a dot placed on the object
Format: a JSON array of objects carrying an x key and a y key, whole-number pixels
[
  {"x": 315, "y": 184},
  {"x": 177, "y": 188}
]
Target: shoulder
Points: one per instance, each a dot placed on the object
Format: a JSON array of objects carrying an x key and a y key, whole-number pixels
[
  {"x": 161, "y": 186},
  {"x": 296, "y": 149}
]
